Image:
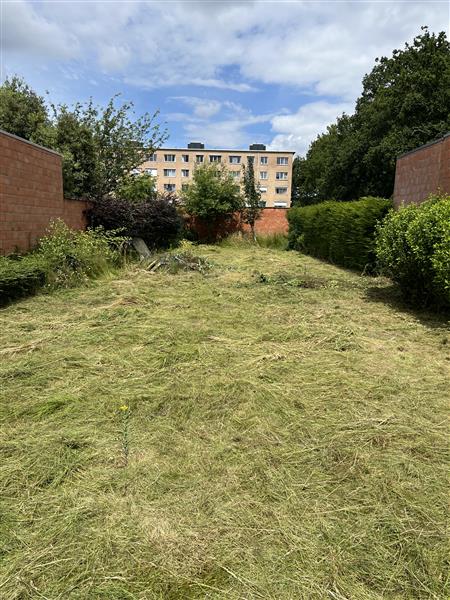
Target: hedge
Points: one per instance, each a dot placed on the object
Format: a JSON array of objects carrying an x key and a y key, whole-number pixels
[
  {"x": 20, "y": 277},
  {"x": 413, "y": 248},
  {"x": 340, "y": 232}
]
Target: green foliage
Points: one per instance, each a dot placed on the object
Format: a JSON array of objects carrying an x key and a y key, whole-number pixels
[
  {"x": 413, "y": 248},
  {"x": 75, "y": 256},
  {"x": 22, "y": 111},
  {"x": 137, "y": 188},
  {"x": 341, "y": 232},
  {"x": 212, "y": 194},
  {"x": 251, "y": 211},
  {"x": 63, "y": 258},
  {"x": 102, "y": 145},
  {"x": 404, "y": 104},
  {"x": 273, "y": 240},
  {"x": 296, "y": 180},
  {"x": 20, "y": 277}
]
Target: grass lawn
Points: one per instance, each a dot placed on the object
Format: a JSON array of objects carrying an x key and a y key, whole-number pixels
[{"x": 285, "y": 437}]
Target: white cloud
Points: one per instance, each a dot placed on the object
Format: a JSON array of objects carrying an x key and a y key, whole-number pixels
[
  {"x": 203, "y": 108},
  {"x": 296, "y": 131},
  {"x": 113, "y": 58},
  {"x": 319, "y": 48}
]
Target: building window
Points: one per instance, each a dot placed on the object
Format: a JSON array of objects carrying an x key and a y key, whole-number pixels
[
  {"x": 235, "y": 160},
  {"x": 263, "y": 160},
  {"x": 215, "y": 158},
  {"x": 282, "y": 160},
  {"x": 170, "y": 172},
  {"x": 135, "y": 172},
  {"x": 280, "y": 204},
  {"x": 152, "y": 158},
  {"x": 235, "y": 173},
  {"x": 152, "y": 172},
  {"x": 281, "y": 190},
  {"x": 199, "y": 158},
  {"x": 184, "y": 172},
  {"x": 263, "y": 190},
  {"x": 185, "y": 158},
  {"x": 169, "y": 187},
  {"x": 281, "y": 175},
  {"x": 250, "y": 159},
  {"x": 184, "y": 186},
  {"x": 263, "y": 174},
  {"x": 262, "y": 204},
  {"x": 169, "y": 157}
]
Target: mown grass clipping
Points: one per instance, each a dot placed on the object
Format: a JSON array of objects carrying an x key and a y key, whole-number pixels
[{"x": 273, "y": 428}]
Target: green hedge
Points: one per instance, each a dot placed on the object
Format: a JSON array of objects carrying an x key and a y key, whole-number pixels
[
  {"x": 20, "y": 277},
  {"x": 413, "y": 248},
  {"x": 341, "y": 232}
]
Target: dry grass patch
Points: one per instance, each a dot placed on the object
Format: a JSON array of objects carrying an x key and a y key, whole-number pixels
[{"x": 285, "y": 441}]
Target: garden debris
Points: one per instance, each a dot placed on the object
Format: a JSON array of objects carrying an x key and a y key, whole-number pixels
[{"x": 181, "y": 261}]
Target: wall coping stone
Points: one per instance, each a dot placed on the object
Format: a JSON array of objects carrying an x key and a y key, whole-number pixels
[
  {"x": 441, "y": 139},
  {"x": 21, "y": 139}
]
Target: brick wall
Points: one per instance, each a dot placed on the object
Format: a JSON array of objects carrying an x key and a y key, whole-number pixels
[
  {"x": 272, "y": 220},
  {"x": 423, "y": 171},
  {"x": 31, "y": 194}
]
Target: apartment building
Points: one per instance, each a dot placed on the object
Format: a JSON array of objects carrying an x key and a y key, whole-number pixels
[{"x": 173, "y": 169}]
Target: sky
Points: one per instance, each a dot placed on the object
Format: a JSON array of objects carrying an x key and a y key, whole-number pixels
[{"x": 226, "y": 73}]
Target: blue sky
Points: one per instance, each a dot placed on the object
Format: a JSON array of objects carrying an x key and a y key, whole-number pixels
[{"x": 227, "y": 73}]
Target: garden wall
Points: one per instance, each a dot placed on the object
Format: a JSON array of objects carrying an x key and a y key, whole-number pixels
[
  {"x": 272, "y": 220},
  {"x": 422, "y": 171},
  {"x": 31, "y": 194}
]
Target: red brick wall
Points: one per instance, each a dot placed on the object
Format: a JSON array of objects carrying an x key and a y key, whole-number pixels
[
  {"x": 31, "y": 194},
  {"x": 272, "y": 220},
  {"x": 422, "y": 172}
]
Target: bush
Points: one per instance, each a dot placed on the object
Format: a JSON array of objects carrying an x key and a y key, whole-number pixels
[
  {"x": 213, "y": 197},
  {"x": 20, "y": 277},
  {"x": 341, "y": 232},
  {"x": 63, "y": 258},
  {"x": 413, "y": 248},
  {"x": 156, "y": 221}
]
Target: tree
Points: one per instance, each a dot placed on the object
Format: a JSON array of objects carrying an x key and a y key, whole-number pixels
[
  {"x": 212, "y": 194},
  {"x": 137, "y": 188},
  {"x": 102, "y": 146},
  {"x": 404, "y": 104},
  {"x": 23, "y": 112},
  {"x": 251, "y": 211},
  {"x": 297, "y": 165}
]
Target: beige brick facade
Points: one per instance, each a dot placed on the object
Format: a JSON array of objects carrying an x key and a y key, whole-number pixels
[{"x": 173, "y": 168}]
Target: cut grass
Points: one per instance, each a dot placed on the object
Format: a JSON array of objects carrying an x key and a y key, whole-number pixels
[{"x": 285, "y": 441}]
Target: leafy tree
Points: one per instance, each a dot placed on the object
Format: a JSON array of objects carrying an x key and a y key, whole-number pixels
[
  {"x": 251, "y": 211},
  {"x": 101, "y": 146},
  {"x": 137, "y": 188},
  {"x": 23, "y": 112},
  {"x": 212, "y": 193},
  {"x": 404, "y": 104},
  {"x": 297, "y": 166}
]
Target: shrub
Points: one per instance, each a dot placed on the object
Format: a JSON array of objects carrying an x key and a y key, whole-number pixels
[
  {"x": 341, "y": 232},
  {"x": 213, "y": 197},
  {"x": 156, "y": 221},
  {"x": 63, "y": 258},
  {"x": 75, "y": 256},
  {"x": 20, "y": 277},
  {"x": 413, "y": 248}
]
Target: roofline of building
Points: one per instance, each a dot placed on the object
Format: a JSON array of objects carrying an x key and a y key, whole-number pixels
[
  {"x": 442, "y": 138},
  {"x": 21, "y": 139},
  {"x": 199, "y": 150}
]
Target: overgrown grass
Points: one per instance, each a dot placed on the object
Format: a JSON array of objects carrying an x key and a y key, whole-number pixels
[{"x": 224, "y": 435}]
